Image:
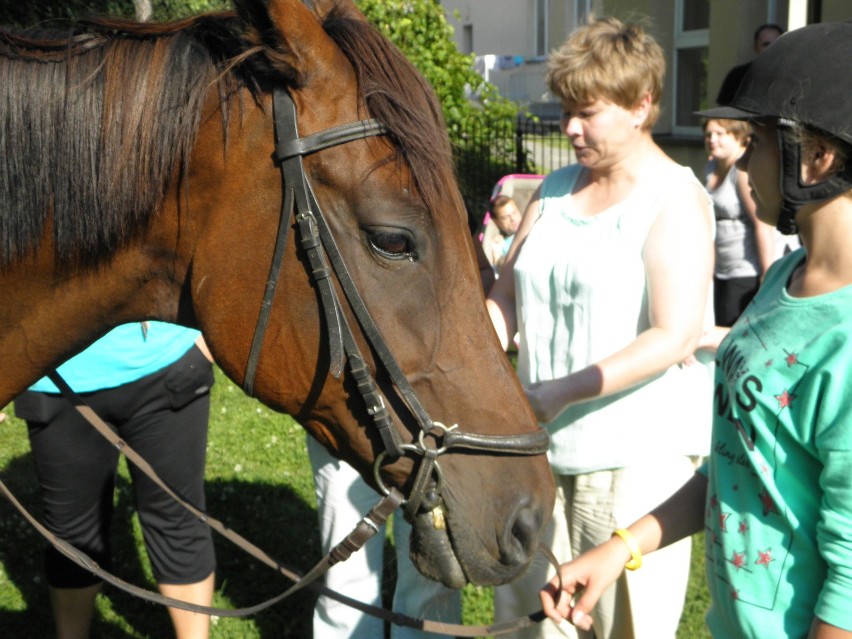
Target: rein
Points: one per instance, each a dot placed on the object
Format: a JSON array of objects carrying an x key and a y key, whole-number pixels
[
  {"x": 316, "y": 239},
  {"x": 354, "y": 541}
]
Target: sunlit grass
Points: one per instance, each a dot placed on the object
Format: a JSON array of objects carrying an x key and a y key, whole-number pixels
[{"x": 259, "y": 483}]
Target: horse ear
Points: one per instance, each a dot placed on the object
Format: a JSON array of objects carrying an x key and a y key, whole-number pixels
[
  {"x": 291, "y": 37},
  {"x": 341, "y": 8}
]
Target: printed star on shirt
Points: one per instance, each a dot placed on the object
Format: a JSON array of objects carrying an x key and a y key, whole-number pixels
[
  {"x": 768, "y": 363},
  {"x": 785, "y": 399},
  {"x": 743, "y": 529},
  {"x": 791, "y": 359},
  {"x": 723, "y": 521},
  {"x": 735, "y": 594},
  {"x": 738, "y": 559},
  {"x": 764, "y": 558},
  {"x": 768, "y": 505}
]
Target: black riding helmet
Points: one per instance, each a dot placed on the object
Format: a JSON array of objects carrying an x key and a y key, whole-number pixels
[{"x": 803, "y": 78}]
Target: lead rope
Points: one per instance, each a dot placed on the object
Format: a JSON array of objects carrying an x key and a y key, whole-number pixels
[{"x": 364, "y": 530}]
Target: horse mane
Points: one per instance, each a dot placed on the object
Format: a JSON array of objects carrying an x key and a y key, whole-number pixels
[
  {"x": 399, "y": 97},
  {"x": 70, "y": 146},
  {"x": 102, "y": 165}
]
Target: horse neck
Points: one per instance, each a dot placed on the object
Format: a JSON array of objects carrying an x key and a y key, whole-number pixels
[{"x": 61, "y": 309}]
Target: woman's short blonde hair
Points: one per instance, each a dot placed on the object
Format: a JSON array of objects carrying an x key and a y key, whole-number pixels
[{"x": 609, "y": 60}]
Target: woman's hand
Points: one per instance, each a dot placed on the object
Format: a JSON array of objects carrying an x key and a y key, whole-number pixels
[
  {"x": 712, "y": 337},
  {"x": 547, "y": 399}
]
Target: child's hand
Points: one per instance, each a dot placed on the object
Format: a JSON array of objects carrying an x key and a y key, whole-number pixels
[{"x": 583, "y": 582}]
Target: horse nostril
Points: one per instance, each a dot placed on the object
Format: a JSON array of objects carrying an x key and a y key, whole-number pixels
[{"x": 520, "y": 539}]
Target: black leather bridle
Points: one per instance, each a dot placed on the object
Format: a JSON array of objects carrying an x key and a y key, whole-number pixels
[
  {"x": 425, "y": 494},
  {"x": 319, "y": 245}
]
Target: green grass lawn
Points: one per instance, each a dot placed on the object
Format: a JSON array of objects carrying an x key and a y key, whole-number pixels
[{"x": 259, "y": 483}]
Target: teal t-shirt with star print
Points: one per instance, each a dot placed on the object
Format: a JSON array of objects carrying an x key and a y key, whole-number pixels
[{"x": 779, "y": 502}]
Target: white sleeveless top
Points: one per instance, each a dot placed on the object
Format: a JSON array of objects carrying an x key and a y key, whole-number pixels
[
  {"x": 736, "y": 244},
  {"x": 581, "y": 295}
]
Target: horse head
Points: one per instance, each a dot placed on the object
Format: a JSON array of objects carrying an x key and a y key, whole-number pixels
[{"x": 390, "y": 203}]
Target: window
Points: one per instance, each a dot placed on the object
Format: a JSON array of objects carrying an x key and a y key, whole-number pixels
[
  {"x": 772, "y": 11},
  {"x": 582, "y": 9},
  {"x": 542, "y": 46},
  {"x": 689, "y": 72},
  {"x": 467, "y": 39}
]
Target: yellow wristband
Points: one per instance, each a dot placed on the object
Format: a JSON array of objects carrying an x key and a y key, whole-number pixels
[{"x": 635, "y": 562}]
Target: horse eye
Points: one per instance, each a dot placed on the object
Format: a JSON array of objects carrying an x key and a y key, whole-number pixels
[{"x": 392, "y": 244}]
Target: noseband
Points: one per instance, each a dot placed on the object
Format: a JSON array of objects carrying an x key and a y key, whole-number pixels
[{"x": 319, "y": 245}]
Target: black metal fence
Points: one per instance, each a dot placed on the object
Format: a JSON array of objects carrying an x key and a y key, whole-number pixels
[{"x": 484, "y": 155}]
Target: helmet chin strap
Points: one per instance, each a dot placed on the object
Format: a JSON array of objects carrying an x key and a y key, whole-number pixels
[{"x": 793, "y": 190}]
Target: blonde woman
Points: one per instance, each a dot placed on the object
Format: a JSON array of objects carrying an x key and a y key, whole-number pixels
[
  {"x": 774, "y": 498},
  {"x": 611, "y": 270}
]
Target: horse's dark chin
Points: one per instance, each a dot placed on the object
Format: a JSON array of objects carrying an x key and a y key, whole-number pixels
[
  {"x": 452, "y": 552},
  {"x": 433, "y": 554}
]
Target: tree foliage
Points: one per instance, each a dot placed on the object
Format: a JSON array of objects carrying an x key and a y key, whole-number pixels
[
  {"x": 26, "y": 14},
  {"x": 421, "y": 30},
  {"x": 480, "y": 130}
]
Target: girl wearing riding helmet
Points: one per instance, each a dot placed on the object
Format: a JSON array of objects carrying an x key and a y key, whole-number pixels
[{"x": 775, "y": 497}]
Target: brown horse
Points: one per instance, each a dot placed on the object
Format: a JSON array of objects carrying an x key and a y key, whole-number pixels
[{"x": 136, "y": 183}]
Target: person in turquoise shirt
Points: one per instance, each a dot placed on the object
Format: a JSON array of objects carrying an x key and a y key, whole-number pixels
[
  {"x": 151, "y": 382},
  {"x": 775, "y": 498}
]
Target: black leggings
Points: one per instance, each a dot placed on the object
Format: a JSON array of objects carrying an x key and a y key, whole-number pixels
[
  {"x": 164, "y": 418},
  {"x": 730, "y": 297}
]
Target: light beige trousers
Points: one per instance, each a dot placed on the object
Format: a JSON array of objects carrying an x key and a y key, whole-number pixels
[{"x": 642, "y": 604}]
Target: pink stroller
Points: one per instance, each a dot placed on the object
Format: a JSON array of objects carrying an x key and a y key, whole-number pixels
[{"x": 518, "y": 186}]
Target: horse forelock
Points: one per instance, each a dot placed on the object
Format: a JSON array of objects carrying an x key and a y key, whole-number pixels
[
  {"x": 94, "y": 127},
  {"x": 399, "y": 97}
]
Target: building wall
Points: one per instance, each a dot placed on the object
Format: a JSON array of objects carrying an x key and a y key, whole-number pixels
[
  {"x": 506, "y": 27},
  {"x": 836, "y": 10},
  {"x": 501, "y": 27},
  {"x": 732, "y": 25}
]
